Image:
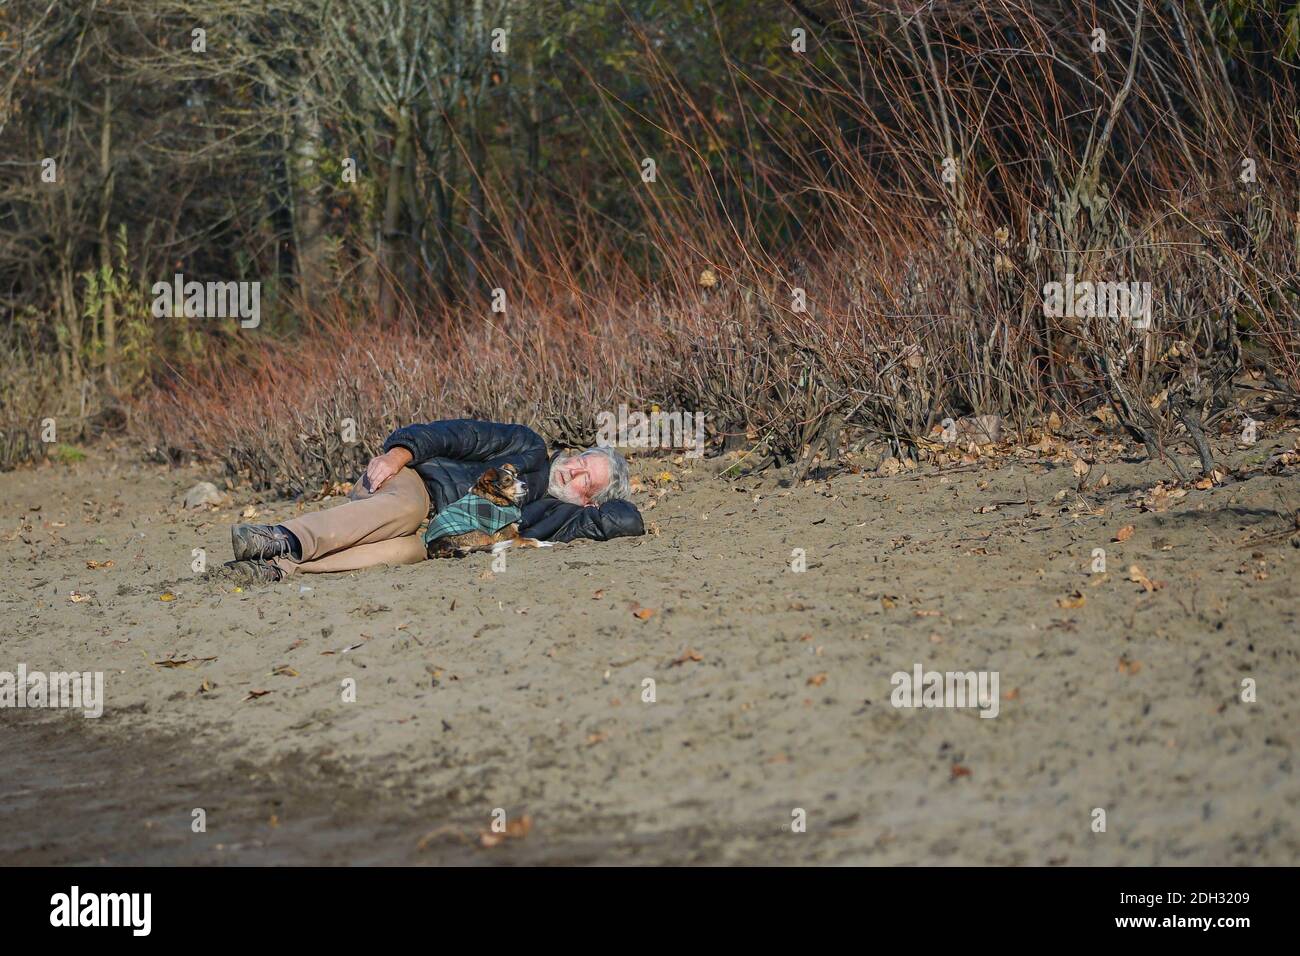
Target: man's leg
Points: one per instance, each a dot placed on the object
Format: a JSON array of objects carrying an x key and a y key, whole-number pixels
[
  {"x": 408, "y": 549},
  {"x": 362, "y": 524}
]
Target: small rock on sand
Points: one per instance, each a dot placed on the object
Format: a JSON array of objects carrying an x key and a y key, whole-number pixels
[{"x": 204, "y": 493}]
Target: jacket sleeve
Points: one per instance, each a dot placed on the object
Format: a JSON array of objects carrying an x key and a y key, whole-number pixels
[
  {"x": 550, "y": 520},
  {"x": 469, "y": 440}
]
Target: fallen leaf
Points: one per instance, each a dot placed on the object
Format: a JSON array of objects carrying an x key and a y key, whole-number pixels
[
  {"x": 1137, "y": 576},
  {"x": 1127, "y": 666},
  {"x": 95, "y": 565},
  {"x": 687, "y": 655},
  {"x": 643, "y": 614},
  {"x": 76, "y": 597},
  {"x": 1072, "y": 601},
  {"x": 515, "y": 830},
  {"x": 254, "y": 694},
  {"x": 1124, "y": 533},
  {"x": 167, "y": 596},
  {"x": 959, "y": 771},
  {"x": 173, "y": 663},
  {"x": 817, "y": 679}
]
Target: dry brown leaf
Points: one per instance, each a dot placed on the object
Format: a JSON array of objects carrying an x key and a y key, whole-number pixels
[
  {"x": 687, "y": 655},
  {"x": 817, "y": 679},
  {"x": 1137, "y": 576},
  {"x": 643, "y": 613},
  {"x": 95, "y": 565},
  {"x": 254, "y": 694},
  {"x": 1072, "y": 601},
  {"x": 515, "y": 830},
  {"x": 1124, "y": 533},
  {"x": 959, "y": 771},
  {"x": 183, "y": 662}
]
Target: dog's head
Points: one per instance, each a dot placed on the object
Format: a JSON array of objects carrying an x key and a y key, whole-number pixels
[{"x": 502, "y": 486}]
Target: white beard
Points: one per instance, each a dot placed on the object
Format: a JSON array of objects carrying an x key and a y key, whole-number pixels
[{"x": 562, "y": 492}]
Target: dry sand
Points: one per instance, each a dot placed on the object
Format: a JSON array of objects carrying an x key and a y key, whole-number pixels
[{"x": 522, "y": 690}]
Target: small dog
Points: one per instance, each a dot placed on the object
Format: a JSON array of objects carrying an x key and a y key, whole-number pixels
[{"x": 485, "y": 519}]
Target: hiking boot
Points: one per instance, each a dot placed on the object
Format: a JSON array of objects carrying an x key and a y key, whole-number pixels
[
  {"x": 252, "y": 572},
  {"x": 259, "y": 542}
]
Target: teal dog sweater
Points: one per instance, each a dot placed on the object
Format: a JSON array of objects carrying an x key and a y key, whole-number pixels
[{"x": 471, "y": 513}]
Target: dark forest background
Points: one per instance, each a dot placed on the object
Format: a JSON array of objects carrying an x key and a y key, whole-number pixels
[{"x": 855, "y": 206}]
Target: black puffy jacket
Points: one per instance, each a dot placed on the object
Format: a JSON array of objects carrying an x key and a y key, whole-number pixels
[{"x": 450, "y": 456}]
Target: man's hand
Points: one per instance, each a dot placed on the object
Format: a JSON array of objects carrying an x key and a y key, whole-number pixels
[{"x": 382, "y": 467}]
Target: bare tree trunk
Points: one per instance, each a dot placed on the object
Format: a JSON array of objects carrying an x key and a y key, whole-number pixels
[
  {"x": 533, "y": 147},
  {"x": 391, "y": 237},
  {"x": 106, "y": 238},
  {"x": 443, "y": 197},
  {"x": 310, "y": 247},
  {"x": 474, "y": 215}
]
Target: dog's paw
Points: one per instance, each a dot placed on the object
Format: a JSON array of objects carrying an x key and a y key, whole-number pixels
[
  {"x": 545, "y": 544},
  {"x": 501, "y": 546}
]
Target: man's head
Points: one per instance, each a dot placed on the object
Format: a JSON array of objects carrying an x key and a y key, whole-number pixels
[{"x": 589, "y": 477}]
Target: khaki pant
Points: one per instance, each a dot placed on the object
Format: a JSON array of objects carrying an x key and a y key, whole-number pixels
[{"x": 370, "y": 528}]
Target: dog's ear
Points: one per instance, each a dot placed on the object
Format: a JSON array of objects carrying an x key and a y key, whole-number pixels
[
  {"x": 510, "y": 470},
  {"x": 489, "y": 477}
]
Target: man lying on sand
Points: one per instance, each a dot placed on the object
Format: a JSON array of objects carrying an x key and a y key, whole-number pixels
[{"x": 425, "y": 468}]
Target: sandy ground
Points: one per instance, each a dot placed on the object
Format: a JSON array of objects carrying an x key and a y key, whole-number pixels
[{"x": 522, "y": 690}]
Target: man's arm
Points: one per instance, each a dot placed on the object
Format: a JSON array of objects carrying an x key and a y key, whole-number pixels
[
  {"x": 382, "y": 467},
  {"x": 550, "y": 520},
  {"x": 462, "y": 440},
  {"x": 465, "y": 439}
]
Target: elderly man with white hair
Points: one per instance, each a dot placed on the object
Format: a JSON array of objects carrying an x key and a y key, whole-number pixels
[{"x": 424, "y": 469}]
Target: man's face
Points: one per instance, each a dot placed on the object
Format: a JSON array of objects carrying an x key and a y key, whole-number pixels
[{"x": 579, "y": 478}]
